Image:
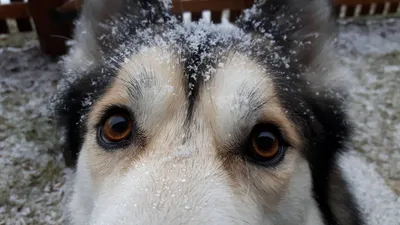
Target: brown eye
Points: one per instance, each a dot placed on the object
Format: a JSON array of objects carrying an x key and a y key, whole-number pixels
[
  {"x": 116, "y": 128},
  {"x": 266, "y": 145}
]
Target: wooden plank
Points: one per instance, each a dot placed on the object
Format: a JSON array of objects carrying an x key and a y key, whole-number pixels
[
  {"x": 356, "y": 2},
  {"x": 216, "y": 16},
  {"x": 196, "y": 16},
  {"x": 3, "y": 27},
  {"x": 52, "y": 33},
  {"x": 225, "y": 4},
  {"x": 70, "y": 6},
  {"x": 180, "y": 6},
  {"x": 234, "y": 15},
  {"x": 393, "y": 7},
  {"x": 197, "y": 6},
  {"x": 350, "y": 11},
  {"x": 365, "y": 9},
  {"x": 379, "y": 9},
  {"x": 24, "y": 25},
  {"x": 14, "y": 11}
]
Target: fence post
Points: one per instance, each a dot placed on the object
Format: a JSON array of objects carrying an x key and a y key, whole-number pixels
[
  {"x": 24, "y": 25},
  {"x": 52, "y": 33},
  {"x": 3, "y": 27}
]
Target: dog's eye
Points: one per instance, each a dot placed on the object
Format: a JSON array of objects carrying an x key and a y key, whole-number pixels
[
  {"x": 266, "y": 145},
  {"x": 116, "y": 128}
]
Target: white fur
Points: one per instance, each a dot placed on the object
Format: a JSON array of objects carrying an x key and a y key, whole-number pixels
[
  {"x": 227, "y": 98},
  {"x": 82, "y": 201},
  {"x": 181, "y": 193},
  {"x": 298, "y": 206}
]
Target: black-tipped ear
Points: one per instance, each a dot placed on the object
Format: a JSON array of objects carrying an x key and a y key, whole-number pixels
[
  {"x": 105, "y": 24},
  {"x": 298, "y": 28}
]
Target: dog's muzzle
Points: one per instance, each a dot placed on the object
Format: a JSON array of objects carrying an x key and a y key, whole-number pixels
[{"x": 190, "y": 191}]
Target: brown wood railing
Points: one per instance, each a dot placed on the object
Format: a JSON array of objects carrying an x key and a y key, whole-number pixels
[{"x": 18, "y": 11}]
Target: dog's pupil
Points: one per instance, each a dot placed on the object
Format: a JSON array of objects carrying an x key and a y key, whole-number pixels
[
  {"x": 118, "y": 124},
  {"x": 265, "y": 141}
]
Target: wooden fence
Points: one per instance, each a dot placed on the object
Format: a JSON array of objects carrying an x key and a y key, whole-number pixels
[
  {"x": 342, "y": 8},
  {"x": 40, "y": 16},
  {"x": 53, "y": 26},
  {"x": 19, "y": 11},
  {"x": 357, "y": 8}
]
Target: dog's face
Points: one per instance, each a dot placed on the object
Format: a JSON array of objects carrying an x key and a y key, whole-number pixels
[{"x": 188, "y": 124}]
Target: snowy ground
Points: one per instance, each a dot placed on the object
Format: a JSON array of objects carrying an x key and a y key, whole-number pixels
[
  {"x": 32, "y": 178},
  {"x": 370, "y": 57}
]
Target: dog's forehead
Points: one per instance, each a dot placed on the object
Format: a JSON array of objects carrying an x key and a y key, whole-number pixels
[
  {"x": 155, "y": 76},
  {"x": 230, "y": 92}
]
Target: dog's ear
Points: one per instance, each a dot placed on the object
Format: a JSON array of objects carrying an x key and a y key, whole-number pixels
[
  {"x": 298, "y": 28},
  {"x": 104, "y": 25}
]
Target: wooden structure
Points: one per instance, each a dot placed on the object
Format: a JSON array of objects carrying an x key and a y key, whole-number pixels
[
  {"x": 196, "y": 8},
  {"x": 53, "y": 18},
  {"x": 19, "y": 11},
  {"x": 357, "y": 8},
  {"x": 52, "y": 27}
]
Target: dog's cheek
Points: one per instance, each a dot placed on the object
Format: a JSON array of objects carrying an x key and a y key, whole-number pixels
[
  {"x": 82, "y": 201},
  {"x": 265, "y": 186}
]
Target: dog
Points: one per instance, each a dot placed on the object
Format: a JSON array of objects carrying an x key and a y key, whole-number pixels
[{"x": 197, "y": 123}]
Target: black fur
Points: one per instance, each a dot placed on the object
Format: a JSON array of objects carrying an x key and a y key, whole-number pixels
[
  {"x": 194, "y": 68},
  {"x": 324, "y": 125},
  {"x": 196, "y": 64},
  {"x": 71, "y": 110}
]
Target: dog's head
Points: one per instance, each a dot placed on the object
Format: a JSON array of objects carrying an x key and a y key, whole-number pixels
[{"x": 204, "y": 124}]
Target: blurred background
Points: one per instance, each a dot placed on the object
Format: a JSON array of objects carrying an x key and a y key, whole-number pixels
[{"x": 34, "y": 34}]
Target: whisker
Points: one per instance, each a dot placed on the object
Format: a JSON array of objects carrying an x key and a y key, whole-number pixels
[{"x": 62, "y": 37}]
